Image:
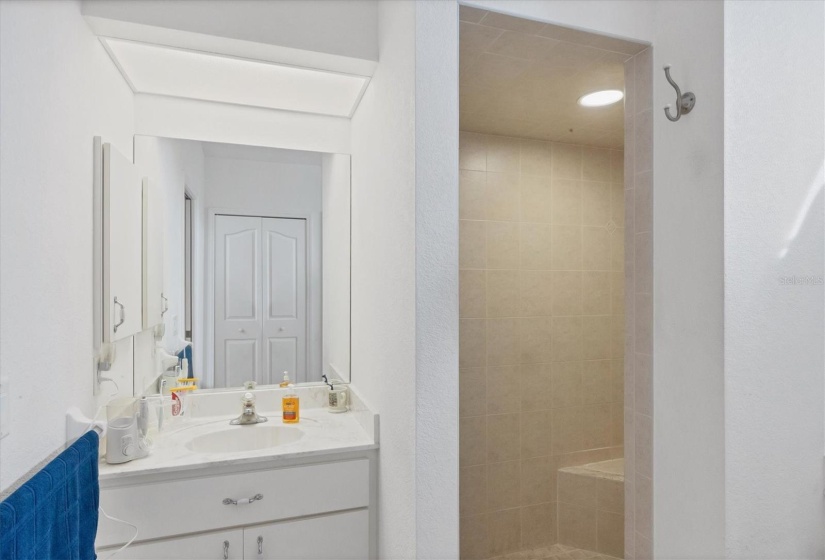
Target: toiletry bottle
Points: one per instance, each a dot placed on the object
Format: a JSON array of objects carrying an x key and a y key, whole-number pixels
[{"x": 290, "y": 404}]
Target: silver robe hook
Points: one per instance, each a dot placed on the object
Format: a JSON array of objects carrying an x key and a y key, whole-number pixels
[{"x": 684, "y": 101}]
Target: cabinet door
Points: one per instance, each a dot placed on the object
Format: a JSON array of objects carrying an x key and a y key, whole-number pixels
[
  {"x": 122, "y": 246},
  {"x": 154, "y": 302},
  {"x": 219, "y": 545},
  {"x": 336, "y": 536}
]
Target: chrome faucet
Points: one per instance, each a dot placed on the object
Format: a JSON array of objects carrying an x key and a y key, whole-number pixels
[{"x": 248, "y": 416}]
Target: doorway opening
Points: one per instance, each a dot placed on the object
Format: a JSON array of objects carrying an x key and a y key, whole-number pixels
[{"x": 550, "y": 184}]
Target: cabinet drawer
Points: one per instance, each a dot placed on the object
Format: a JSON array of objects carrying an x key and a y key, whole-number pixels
[
  {"x": 208, "y": 546},
  {"x": 162, "y": 509},
  {"x": 338, "y": 536}
]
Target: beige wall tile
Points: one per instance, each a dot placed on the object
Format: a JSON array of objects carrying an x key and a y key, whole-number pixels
[
  {"x": 521, "y": 45},
  {"x": 616, "y": 424},
  {"x": 567, "y": 161},
  {"x": 610, "y": 533},
  {"x": 617, "y": 293},
  {"x": 596, "y": 164},
  {"x": 503, "y": 154},
  {"x": 534, "y": 340},
  {"x": 643, "y": 431},
  {"x": 472, "y": 392},
  {"x": 596, "y": 203},
  {"x": 472, "y": 291},
  {"x": 504, "y": 531},
  {"x": 472, "y": 244},
  {"x": 472, "y": 441},
  {"x": 578, "y": 490},
  {"x": 617, "y": 166},
  {"x": 503, "y": 293},
  {"x": 643, "y": 81},
  {"x": 501, "y": 198},
  {"x": 538, "y": 526},
  {"x": 566, "y": 202},
  {"x": 502, "y": 342},
  {"x": 644, "y": 262},
  {"x": 577, "y": 526},
  {"x": 502, "y": 244},
  {"x": 644, "y": 202},
  {"x": 538, "y": 480},
  {"x": 566, "y": 336},
  {"x": 617, "y": 196},
  {"x": 472, "y": 151},
  {"x": 618, "y": 339},
  {"x": 643, "y": 504},
  {"x": 566, "y": 247},
  {"x": 610, "y": 495},
  {"x": 597, "y": 426},
  {"x": 643, "y": 547},
  {"x": 472, "y": 187},
  {"x": 595, "y": 248},
  {"x": 473, "y": 537},
  {"x": 536, "y": 201},
  {"x": 503, "y": 485},
  {"x": 536, "y": 293},
  {"x": 643, "y": 142},
  {"x": 617, "y": 240},
  {"x": 596, "y": 292},
  {"x": 567, "y": 435},
  {"x": 536, "y": 434},
  {"x": 472, "y": 343},
  {"x": 597, "y": 382},
  {"x": 503, "y": 436},
  {"x": 643, "y": 384},
  {"x": 567, "y": 384},
  {"x": 596, "y": 337},
  {"x": 567, "y": 293},
  {"x": 535, "y": 246},
  {"x": 536, "y": 387},
  {"x": 644, "y": 323},
  {"x": 536, "y": 158},
  {"x": 503, "y": 390},
  {"x": 472, "y": 484}
]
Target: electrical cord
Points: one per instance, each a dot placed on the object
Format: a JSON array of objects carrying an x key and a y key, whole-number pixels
[{"x": 115, "y": 519}]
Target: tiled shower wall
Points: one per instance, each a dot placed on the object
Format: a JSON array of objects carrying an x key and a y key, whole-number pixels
[
  {"x": 542, "y": 330},
  {"x": 638, "y": 399}
]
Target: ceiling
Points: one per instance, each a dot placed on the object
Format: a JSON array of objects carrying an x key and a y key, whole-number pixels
[
  {"x": 175, "y": 72},
  {"x": 523, "y": 78},
  {"x": 260, "y": 153}
]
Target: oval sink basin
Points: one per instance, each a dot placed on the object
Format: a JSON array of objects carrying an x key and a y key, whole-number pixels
[{"x": 244, "y": 438}]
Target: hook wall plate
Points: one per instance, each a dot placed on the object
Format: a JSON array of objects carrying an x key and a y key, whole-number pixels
[{"x": 684, "y": 101}]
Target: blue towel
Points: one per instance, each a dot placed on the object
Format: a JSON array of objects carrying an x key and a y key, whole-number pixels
[
  {"x": 187, "y": 353},
  {"x": 54, "y": 515}
]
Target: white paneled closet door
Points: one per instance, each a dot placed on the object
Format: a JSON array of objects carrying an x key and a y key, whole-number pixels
[
  {"x": 260, "y": 299},
  {"x": 285, "y": 298},
  {"x": 237, "y": 300}
]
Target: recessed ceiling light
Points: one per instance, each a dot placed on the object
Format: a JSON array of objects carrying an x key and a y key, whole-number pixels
[{"x": 601, "y": 98}]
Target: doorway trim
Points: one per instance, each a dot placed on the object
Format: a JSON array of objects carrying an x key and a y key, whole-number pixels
[{"x": 314, "y": 286}]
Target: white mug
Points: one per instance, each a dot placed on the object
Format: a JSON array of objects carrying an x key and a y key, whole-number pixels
[{"x": 337, "y": 399}]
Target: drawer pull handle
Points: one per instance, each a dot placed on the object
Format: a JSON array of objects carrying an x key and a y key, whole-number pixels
[
  {"x": 243, "y": 502},
  {"x": 225, "y": 550},
  {"x": 260, "y": 545}
]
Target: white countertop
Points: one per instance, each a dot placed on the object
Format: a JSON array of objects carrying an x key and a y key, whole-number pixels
[{"x": 322, "y": 433}]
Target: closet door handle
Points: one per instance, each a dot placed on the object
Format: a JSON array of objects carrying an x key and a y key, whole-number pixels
[
  {"x": 164, "y": 305},
  {"x": 260, "y": 545},
  {"x": 225, "y": 550},
  {"x": 122, "y": 314}
]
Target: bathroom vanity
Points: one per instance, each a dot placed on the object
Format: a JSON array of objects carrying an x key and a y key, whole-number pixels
[{"x": 264, "y": 491}]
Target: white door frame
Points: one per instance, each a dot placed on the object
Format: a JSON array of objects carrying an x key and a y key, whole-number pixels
[{"x": 314, "y": 312}]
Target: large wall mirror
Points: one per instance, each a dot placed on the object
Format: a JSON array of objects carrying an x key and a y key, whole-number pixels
[{"x": 252, "y": 246}]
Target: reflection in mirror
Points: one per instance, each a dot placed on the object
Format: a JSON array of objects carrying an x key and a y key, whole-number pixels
[{"x": 256, "y": 264}]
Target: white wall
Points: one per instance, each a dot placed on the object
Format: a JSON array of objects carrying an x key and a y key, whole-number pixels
[
  {"x": 175, "y": 167},
  {"x": 327, "y": 26},
  {"x": 191, "y": 119},
  {"x": 774, "y": 144},
  {"x": 270, "y": 188},
  {"x": 58, "y": 89},
  {"x": 436, "y": 280},
  {"x": 335, "y": 179},
  {"x": 688, "y": 353},
  {"x": 383, "y": 270}
]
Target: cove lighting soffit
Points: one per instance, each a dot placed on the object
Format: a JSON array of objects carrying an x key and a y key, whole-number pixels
[{"x": 182, "y": 73}]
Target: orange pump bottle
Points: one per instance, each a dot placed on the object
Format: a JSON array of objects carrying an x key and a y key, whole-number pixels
[{"x": 290, "y": 404}]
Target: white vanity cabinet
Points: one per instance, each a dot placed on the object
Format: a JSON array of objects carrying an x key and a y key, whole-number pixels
[
  {"x": 122, "y": 246},
  {"x": 309, "y": 510},
  {"x": 154, "y": 301}
]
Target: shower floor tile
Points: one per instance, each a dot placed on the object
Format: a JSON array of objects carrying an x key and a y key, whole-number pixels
[{"x": 556, "y": 552}]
